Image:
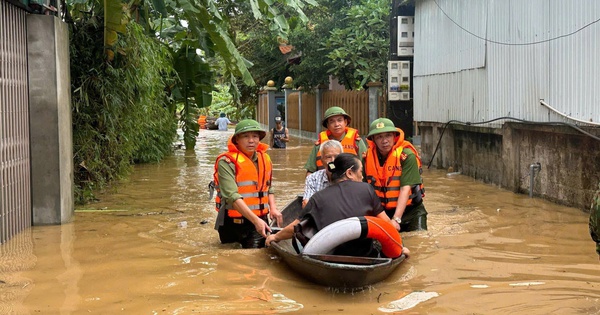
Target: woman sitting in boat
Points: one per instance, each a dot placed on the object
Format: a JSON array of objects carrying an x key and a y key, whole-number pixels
[{"x": 347, "y": 197}]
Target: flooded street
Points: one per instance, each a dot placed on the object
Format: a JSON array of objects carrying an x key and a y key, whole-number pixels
[{"x": 150, "y": 248}]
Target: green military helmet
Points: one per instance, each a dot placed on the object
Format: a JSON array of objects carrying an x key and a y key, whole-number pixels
[
  {"x": 334, "y": 111},
  {"x": 248, "y": 125},
  {"x": 381, "y": 125}
]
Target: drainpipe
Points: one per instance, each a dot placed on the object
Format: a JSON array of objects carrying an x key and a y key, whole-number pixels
[
  {"x": 568, "y": 116},
  {"x": 532, "y": 168}
]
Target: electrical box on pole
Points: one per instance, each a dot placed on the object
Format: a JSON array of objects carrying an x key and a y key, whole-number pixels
[{"x": 399, "y": 80}]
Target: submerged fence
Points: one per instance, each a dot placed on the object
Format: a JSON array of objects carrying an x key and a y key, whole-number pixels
[{"x": 15, "y": 182}]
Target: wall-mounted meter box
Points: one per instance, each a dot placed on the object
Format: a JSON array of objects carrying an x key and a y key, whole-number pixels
[
  {"x": 399, "y": 80},
  {"x": 406, "y": 51},
  {"x": 406, "y": 35},
  {"x": 394, "y": 80}
]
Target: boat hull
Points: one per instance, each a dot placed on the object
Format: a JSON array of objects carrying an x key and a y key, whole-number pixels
[{"x": 348, "y": 272}]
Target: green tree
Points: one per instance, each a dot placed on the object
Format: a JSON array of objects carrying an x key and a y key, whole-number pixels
[
  {"x": 133, "y": 62},
  {"x": 209, "y": 24},
  {"x": 358, "y": 51},
  {"x": 344, "y": 38}
]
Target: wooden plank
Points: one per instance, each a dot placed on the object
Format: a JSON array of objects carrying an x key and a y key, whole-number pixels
[
  {"x": 275, "y": 229},
  {"x": 351, "y": 260}
]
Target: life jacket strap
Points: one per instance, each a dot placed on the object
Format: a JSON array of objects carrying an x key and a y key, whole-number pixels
[
  {"x": 247, "y": 183},
  {"x": 385, "y": 200},
  {"x": 259, "y": 194},
  {"x": 417, "y": 194},
  {"x": 211, "y": 189},
  {"x": 261, "y": 206},
  {"x": 385, "y": 189}
]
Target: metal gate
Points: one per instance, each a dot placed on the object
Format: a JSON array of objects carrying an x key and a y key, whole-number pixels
[{"x": 15, "y": 182}]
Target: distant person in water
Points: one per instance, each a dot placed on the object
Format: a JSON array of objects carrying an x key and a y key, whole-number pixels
[
  {"x": 279, "y": 135},
  {"x": 595, "y": 220},
  {"x": 222, "y": 122}
]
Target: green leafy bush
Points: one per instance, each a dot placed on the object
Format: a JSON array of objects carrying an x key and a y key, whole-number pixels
[{"x": 121, "y": 113}]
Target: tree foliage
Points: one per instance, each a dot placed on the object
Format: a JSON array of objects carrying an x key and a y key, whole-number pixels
[
  {"x": 358, "y": 51},
  {"x": 134, "y": 62},
  {"x": 209, "y": 30},
  {"x": 347, "y": 39},
  {"x": 120, "y": 111}
]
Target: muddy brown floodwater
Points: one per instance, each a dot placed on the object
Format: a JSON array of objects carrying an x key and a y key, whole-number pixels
[{"x": 150, "y": 248}]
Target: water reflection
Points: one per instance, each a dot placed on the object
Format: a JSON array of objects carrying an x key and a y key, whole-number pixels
[
  {"x": 487, "y": 251},
  {"x": 16, "y": 256}
]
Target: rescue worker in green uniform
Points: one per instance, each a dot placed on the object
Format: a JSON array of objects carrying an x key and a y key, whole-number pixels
[
  {"x": 393, "y": 168},
  {"x": 595, "y": 220},
  {"x": 242, "y": 180},
  {"x": 336, "y": 121}
]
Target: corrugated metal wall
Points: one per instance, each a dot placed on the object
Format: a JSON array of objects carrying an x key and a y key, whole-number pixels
[
  {"x": 459, "y": 76},
  {"x": 15, "y": 184}
]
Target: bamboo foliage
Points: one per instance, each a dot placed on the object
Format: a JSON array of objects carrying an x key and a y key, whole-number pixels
[{"x": 120, "y": 111}]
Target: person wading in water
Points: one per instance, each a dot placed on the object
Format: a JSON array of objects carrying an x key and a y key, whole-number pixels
[
  {"x": 242, "y": 179},
  {"x": 393, "y": 168},
  {"x": 336, "y": 121},
  {"x": 279, "y": 135}
]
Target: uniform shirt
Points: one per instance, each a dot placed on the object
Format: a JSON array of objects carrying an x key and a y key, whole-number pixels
[
  {"x": 227, "y": 184},
  {"x": 315, "y": 182},
  {"x": 595, "y": 219},
  {"x": 311, "y": 163}
]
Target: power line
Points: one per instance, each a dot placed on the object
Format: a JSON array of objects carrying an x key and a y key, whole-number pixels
[{"x": 513, "y": 44}]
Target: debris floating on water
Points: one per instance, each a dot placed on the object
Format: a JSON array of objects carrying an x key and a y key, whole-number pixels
[
  {"x": 409, "y": 301},
  {"x": 182, "y": 224},
  {"x": 525, "y": 284}
]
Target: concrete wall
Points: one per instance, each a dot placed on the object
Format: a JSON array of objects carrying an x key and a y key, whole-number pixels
[
  {"x": 50, "y": 116},
  {"x": 569, "y": 159}
]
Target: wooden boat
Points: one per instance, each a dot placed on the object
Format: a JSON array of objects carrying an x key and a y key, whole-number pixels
[{"x": 332, "y": 270}]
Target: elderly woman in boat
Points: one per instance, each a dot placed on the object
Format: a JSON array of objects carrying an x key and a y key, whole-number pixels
[
  {"x": 347, "y": 197},
  {"x": 320, "y": 179}
]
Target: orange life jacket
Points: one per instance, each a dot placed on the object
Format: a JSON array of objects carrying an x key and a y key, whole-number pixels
[
  {"x": 348, "y": 143},
  {"x": 386, "y": 179},
  {"x": 253, "y": 183}
]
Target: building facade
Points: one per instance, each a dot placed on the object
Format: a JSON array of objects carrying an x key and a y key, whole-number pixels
[{"x": 506, "y": 92}]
